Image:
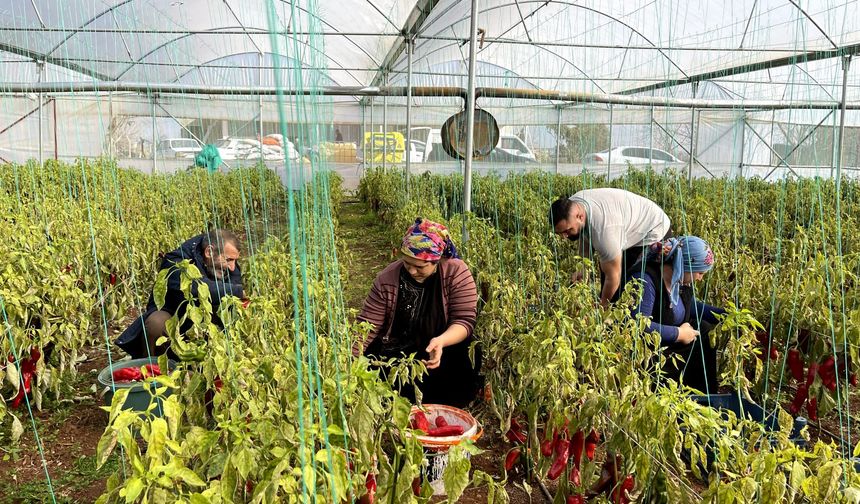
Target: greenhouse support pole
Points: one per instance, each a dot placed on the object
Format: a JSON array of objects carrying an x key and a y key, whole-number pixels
[
  {"x": 385, "y": 128},
  {"x": 154, "y": 139},
  {"x": 372, "y": 135},
  {"x": 41, "y": 126},
  {"x": 410, "y": 44},
  {"x": 609, "y": 157},
  {"x": 41, "y": 161},
  {"x": 54, "y": 106},
  {"x": 557, "y": 139},
  {"x": 846, "y": 64},
  {"x": 743, "y": 145},
  {"x": 260, "y": 81},
  {"x": 110, "y": 125},
  {"x": 692, "y": 147},
  {"x": 470, "y": 119},
  {"x": 363, "y": 131},
  {"x": 651, "y": 136}
]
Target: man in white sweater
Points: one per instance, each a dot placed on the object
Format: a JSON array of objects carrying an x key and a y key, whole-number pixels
[{"x": 615, "y": 223}]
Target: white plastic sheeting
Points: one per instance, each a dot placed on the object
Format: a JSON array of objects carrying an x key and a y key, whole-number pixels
[{"x": 643, "y": 47}]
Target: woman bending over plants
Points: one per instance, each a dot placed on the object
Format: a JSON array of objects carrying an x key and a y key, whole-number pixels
[
  {"x": 425, "y": 303},
  {"x": 667, "y": 274}
]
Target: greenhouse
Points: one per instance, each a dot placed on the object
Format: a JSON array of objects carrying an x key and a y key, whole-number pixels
[{"x": 422, "y": 251}]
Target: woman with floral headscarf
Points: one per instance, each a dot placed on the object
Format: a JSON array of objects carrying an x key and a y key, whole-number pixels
[
  {"x": 667, "y": 276},
  {"x": 425, "y": 303}
]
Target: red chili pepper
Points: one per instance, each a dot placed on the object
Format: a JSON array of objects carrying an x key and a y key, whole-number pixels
[
  {"x": 799, "y": 399},
  {"x": 575, "y": 499},
  {"x": 127, "y": 374},
  {"x": 795, "y": 364},
  {"x": 575, "y": 477},
  {"x": 370, "y": 485},
  {"x": 218, "y": 384},
  {"x": 812, "y": 409},
  {"x": 448, "y": 430},
  {"x": 591, "y": 443},
  {"x": 416, "y": 486},
  {"x": 512, "y": 458},
  {"x": 516, "y": 436},
  {"x": 827, "y": 372},
  {"x": 35, "y": 355},
  {"x": 774, "y": 354},
  {"x": 246, "y": 302},
  {"x": 441, "y": 422},
  {"x": 810, "y": 374},
  {"x": 577, "y": 445},
  {"x": 620, "y": 495},
  {"x": 112, "y": 278},
  {"x": 562, "y": 453},
  {"x": 546, "y": 448},
  {"x": 852, "y": 380},
  {"x": 152, "y": 369},
  {"x": 420, "y": 422}
]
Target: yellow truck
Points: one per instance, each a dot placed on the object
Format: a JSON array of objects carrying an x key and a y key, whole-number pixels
[{"x": 378, "y": 145}]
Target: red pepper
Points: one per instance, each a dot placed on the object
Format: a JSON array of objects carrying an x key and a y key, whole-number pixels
[
  {"x": 852, "y": 380},
  {"x": 420, "y": 422},
  {"x": 245, "y": 302},
  {"x": 511, "y": 458},
  {"x": 448, "y": 430},
  {"x": 795, "y": 364},
  {"x": 128, "y": 374},
  {"x": 620, "y": 495},
  {"x": 218, "y": 383},
  {"x": 112, "y": 278},
  {"x": 810, "y": 374},
  {"x": 799, "y": 399},
  {"x": 827, "y": 372},
  {"x": 562, "y": 453},
  {"x": 370, "y": 485},
  {"x": 575, "y": 499},
  {"x": 591, "y": 443},
  {"x": 515, "y": 436},
  {"x": 577, "y": 445},
  {"x": 441, "y": 422},
  {"x": 774, "y": 354},
  {"x": 546, "y": 448},
  {"x": 416, "y": 486},
  {"x": 152, "y": 369},
  {"x": 812, "y": 409},
  {"x": 575, "y": 477},
  {"x": 35, "y": 355}
]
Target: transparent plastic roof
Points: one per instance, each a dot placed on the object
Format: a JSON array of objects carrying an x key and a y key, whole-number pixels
[{"x": 600, "y": 46}]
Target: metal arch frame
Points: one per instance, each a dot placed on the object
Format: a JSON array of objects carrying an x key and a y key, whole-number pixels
[
  {"x": 485, "y": 76},
  {"x": 215, "y": 30},
  {"x": 540, "y": 47},
  {"x": 598, "y": 12},
  {"x": 413, "y": 24},
  {"x": 48, "y": 58},
  {"x": 814, "y": 23},
  {"x": 205, "y": 64}
]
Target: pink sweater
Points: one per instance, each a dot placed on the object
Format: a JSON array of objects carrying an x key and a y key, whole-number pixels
[{"x": 459, "y": 299}]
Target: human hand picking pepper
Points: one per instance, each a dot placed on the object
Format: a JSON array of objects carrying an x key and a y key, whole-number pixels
[{"x": 434, "y": 349}]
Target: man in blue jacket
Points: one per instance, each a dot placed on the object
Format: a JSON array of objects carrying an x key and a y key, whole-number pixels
[{"x": 215, "y": 254}]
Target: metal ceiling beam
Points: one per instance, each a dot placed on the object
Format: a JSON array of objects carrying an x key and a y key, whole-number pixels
[
  {"x": 420, "y": 91},
  {"x": 147, "y": 31},
  {"x": 755, "y": 67},
  {"x": 413, "y": 23},
  {"x": 60, "y": 62}
]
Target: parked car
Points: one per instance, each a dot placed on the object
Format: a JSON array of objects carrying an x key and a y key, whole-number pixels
[
  {"x": 232, "y": 149},
  {"x": 631, "y": 155},
  {"x": 427, "y": 146},
  {"x": 178, "y": 148}
]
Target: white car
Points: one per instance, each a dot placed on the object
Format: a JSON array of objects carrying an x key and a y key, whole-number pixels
[
  {"x": 178, "y": 148},
  {"x": 631, "y": 155},
  {"x": 514, "y": 146},
  {"x": 231, "y": 149}
]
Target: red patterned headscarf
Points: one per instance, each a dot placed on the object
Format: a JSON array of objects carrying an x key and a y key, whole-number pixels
[{"x": 428, "y": 241}]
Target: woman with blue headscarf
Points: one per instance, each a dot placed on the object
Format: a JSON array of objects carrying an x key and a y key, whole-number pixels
[{"x": 667, "y": 276}]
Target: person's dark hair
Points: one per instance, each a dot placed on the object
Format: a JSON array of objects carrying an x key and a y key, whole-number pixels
[
  {"x": 559, "y": 210},
  {"x": 218, "y": 238}
]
